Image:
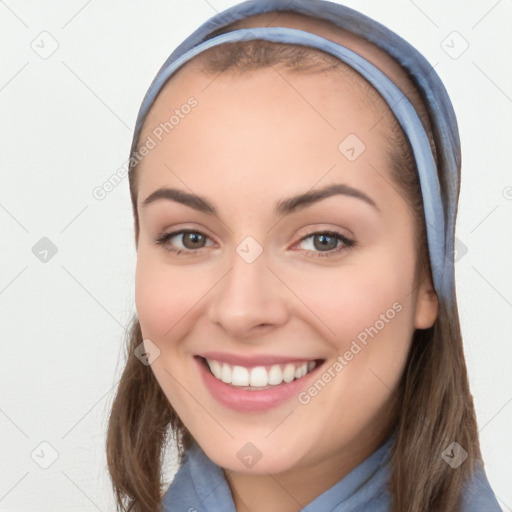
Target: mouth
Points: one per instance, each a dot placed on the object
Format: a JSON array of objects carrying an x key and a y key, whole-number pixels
[{"x": 259, "y": 377}]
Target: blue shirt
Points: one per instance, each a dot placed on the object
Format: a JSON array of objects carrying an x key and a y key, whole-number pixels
[{"x": 200, "y": 486}]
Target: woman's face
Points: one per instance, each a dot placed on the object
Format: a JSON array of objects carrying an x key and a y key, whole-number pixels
[{"x": 263, "y": 277}]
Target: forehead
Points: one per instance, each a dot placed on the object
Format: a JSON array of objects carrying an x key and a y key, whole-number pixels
[
  {"x": 329, "y": 87},
  {"x": 326, "y": 104},
  {"x": 187, "y": 74},
  {"x": 328, "y": 30},
  {"x": 263, "y": 134},
  {"x": 263, "y": 129}
]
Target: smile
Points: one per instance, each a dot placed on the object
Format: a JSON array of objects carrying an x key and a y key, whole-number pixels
[
  {"x": 259, "y": 376},
  {"x": 255, "y": 384}
]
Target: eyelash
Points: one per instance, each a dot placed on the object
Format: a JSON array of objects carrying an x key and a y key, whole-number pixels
[{"x": 347, "y": 243}]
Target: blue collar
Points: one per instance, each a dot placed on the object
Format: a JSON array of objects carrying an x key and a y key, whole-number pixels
[{"x": 200, "y": 486}]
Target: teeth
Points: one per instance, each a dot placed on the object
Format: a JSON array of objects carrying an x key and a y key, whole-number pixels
[
  {"x": 216, "y": 368},
  {"x": 301, "y": 371},
  {"x": 225, "y": 376},
  {"x": 289, "y": 372},
  {"x": 259, "y": 376},
  {"x": 275, "y": 375},
  {"x": 240, "y": 376}
]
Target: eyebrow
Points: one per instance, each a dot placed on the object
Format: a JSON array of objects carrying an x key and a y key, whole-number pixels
[{"x": 283, "y": 207}]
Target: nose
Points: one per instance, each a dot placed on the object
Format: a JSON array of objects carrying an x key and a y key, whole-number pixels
[{"x": 249, "y": 300}]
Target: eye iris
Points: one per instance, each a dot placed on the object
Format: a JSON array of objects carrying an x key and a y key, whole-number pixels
[
  {"x": 324, "y": 244},
  {"x": 194, "y": 238}
]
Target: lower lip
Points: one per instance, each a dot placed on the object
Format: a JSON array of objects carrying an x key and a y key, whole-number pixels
[{"x": 252, "y": 401}]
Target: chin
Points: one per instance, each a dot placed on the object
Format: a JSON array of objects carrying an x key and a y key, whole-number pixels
[{"x": 251, "y": 458}]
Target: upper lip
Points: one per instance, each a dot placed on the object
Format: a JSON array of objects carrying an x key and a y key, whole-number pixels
[{"x": 256, "y": 360}]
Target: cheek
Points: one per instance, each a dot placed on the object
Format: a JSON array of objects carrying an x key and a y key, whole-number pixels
[
  {"x": 163, "y": 295},
  {"x": 366, "y": 311},
  {"x": 345, "y": 301}
]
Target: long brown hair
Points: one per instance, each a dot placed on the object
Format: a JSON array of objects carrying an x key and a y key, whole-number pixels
[{"x": 434, "y": 404}]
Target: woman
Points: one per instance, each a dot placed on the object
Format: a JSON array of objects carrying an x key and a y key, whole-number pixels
[{"x": 294, "y": 178}]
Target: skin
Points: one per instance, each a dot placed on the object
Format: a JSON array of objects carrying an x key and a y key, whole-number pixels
[{"x": 287, "y": 302}]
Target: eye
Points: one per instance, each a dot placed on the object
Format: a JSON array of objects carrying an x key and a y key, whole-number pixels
[
  {"x": 325, "y": 243},
  {"x": 190, "y": 240},
  {"x": 322, "y": 244}
]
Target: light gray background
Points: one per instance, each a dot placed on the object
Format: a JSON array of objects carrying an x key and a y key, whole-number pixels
[{"x": 65, "y": 127}]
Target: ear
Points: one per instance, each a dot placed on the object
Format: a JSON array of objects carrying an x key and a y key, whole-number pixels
[{"x": 427, "y": 305}]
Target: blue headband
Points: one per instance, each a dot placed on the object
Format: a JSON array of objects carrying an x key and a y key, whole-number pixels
[{"x": 439, "y": 214}]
